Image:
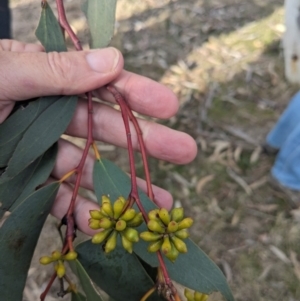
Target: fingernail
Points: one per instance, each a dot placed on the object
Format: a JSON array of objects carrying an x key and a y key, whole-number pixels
[{"x": 103, "y": 60}]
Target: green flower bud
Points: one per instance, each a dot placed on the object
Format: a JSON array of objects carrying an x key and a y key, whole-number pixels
[
  {"x": 166, "y": 246},
  {"x": 56, "y": 255},
  {"x": 119, "y": 205},
  {"x": 182, "y": 234},
  {"x": 172, "y": 227},
  {"x": 60, "y": 269},
  {"x": 96, "y": 214},
  {"x": 107, "y": 209},
  {"x": 189, "y": 295},
  {"x": 111, "y": 242},
  {"x": 179, "y": 244},
  {"x": 120, "y": 225},
  {"x": 155, "y": 226},
  {"x": 173, "y": 254},
  {"x": 127, "y": 245},
  {"x": 105, "y": 199},
  {"x": 200, "y": 297},
  {"x": 164, "y": 216},
  {"x": 71, "y": 255},
  {"x": 177, "y": 214},
  {"x": 45, "y": 260},
  {"x": 94, "y": 224},
  {"x": 136, "y": 221},
  {"x": 131, "y": 234},
  {"x": 106, "y": 223},
  {"x": 185, "y": 223},
  {"x": 153, "y": 214},
  {"x": 150, "y": 236},
  {"x": 128, "y": 215},
  {"x": 98, "y": 238},
  {"x": 155, "y": 246}
]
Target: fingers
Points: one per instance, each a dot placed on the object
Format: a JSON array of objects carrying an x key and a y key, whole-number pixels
[
  {"x": 143, "y": 95},
  {"x": 68, "y": 158},
  {"x": 5, "y": 109},
  {"x": 41, "y": 74},
  {"x": 6, "y": 106},
  {"x": 16, "y": 46},
  {"x": 81, "y": 210},
  {"x": 160, "y": 141}
]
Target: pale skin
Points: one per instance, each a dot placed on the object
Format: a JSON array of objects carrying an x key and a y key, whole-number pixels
[{"x": 27, "y": 72}]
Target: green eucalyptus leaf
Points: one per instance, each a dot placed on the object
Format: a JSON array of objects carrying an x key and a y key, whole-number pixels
[
  {"x": 194, "y": 270},
  {"x": 18, "y": 188},
  {"x": 101, "y": 19},
  {"x": 107, "y": 180},
  {"x": 49, "y": 32},
  {"x": 12, "y": 129},
  {"x": 18, "y": 237},
  {"x": 85, "y": 282},
  {"x": 40, "y": 135},
  {"x": 78, "y": 297},
  {"x": 118, "y": 273}
]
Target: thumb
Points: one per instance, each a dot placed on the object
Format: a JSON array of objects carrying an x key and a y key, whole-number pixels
[{"x": 25, "y": 75}]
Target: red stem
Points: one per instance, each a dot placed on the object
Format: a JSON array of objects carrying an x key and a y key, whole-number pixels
[
  {"x": 69, "y": 216},
  {"x": 62, "y": 19},
  {"x": 164, "y": 269},
  {"x": 70, "y": 231},
  {"x": 143, "y": 151},
  {"x": 134, "y": 192},
  {"x": 134, "y": 195},
  {"x": 46, "y": 291}
]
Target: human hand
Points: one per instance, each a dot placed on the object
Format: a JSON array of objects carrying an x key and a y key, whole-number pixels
[{"x": 27, "y": 72}]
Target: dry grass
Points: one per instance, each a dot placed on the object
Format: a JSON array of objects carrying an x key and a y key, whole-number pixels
[{"x": 223, "y": 60}]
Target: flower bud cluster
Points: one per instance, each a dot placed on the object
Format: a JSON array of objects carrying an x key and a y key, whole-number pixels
[
  {"x": 167, "y": 231},
  {"x": 115, "y": 219},
  {"x": 58, "y": 259},
  {"x": 196, "y": 296}
]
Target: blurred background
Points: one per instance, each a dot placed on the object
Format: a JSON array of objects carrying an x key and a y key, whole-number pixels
[{"x": 223, "y": 59}]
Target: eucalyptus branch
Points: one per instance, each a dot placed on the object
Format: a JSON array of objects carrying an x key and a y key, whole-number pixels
[
  {"x": 134, "y": 196},
  {"x": 69, "y": 217}
]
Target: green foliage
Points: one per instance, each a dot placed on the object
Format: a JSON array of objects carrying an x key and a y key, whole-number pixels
[
  {"x": 118, "y": 273},
  {"x": 28, "y": 141},
  {"x": 194, "y": 270},
  {"x": 14, "y": 127},
  {"x": 49, "y": 32},
  {"x": 101, "y": 19},
  {"x": 85, "y": 282},
  {"x": 78, "y": 297},
  {"x": 18, "y": 188},
  {"x": 51, "y": 123},
  {"x": 18, "y": 238}
]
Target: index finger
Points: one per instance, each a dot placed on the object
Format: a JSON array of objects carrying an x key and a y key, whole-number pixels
[{"x": 143, "y": 95}]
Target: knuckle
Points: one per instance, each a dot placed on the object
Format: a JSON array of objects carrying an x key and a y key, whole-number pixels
[{"x": 60, "y": 68}]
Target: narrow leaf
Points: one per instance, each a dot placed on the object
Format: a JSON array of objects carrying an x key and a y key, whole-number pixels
[
  {"x": 12, "y": 128},
  {"x": 41, "y": 134},
  {"x": 85, "y": 282},
  {"x": 78, "y": 297},
  {"x": 195, "y": 269},
  {"x": 18, "y": 238},
  {"x": 17, "y": 189},
  {"x": 101, "y": 19},
  {"x": 118, "y": 273},
  {"x": 49, "y": 32}
]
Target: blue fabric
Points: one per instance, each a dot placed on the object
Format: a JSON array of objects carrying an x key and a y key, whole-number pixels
[
  {"x": 285, "y": 136},
  {"x": 287, "y": 122}
]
